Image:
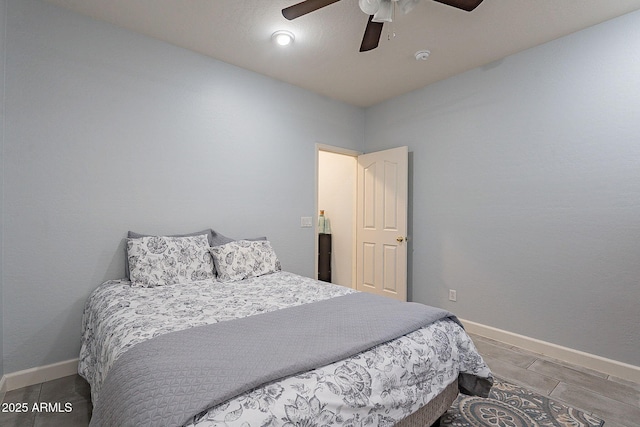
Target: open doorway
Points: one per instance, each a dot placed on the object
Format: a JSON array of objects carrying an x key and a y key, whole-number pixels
[
  {"x": 336, "y": 195},
  {"x": 365, "y": 200}
]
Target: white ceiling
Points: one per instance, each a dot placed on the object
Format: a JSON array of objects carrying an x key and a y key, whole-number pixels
[{"x": 325, "y": 57}]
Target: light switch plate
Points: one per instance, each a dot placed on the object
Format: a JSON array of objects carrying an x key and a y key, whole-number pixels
[{"x": 306, "y": 222}]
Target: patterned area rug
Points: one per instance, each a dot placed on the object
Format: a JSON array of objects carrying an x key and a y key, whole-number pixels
[{"x": 510, "y": 405}]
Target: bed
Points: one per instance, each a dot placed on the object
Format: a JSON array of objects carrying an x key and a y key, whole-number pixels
[{"x": 406, "y": 381}]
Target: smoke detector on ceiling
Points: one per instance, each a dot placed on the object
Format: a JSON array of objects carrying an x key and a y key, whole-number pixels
[{"x": 422, "y": 55}]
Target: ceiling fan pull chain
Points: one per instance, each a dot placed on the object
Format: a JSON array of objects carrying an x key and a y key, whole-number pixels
[{"x": 392, "y": 31}]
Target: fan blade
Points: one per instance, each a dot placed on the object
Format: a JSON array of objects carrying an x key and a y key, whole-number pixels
[
  {"x": 297, "y": 10},
  {"x": 467, "y": 5},
  {"x": 371, "y": 35}
]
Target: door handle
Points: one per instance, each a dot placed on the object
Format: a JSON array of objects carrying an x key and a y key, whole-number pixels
[{"x": 399, "y": 239}]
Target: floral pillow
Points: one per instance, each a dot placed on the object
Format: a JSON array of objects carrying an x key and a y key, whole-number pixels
[
  {"x": 244, "y": 258},
  {"x": 211, "y": 236},
  {"x": 163, "y": 260}
]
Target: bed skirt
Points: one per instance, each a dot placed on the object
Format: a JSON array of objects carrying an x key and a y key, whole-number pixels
[{"x": 432, "y": 411}]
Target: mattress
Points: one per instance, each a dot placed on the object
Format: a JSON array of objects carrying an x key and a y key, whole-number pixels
[{"x": 380, "y": 386}]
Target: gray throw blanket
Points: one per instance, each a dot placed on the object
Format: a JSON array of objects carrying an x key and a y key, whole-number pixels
[{"x": 167, "y": 380}]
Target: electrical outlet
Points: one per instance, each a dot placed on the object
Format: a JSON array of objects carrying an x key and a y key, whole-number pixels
[
  {"x": 453, "y": 295},
  {"x": 306, "y": 222}
]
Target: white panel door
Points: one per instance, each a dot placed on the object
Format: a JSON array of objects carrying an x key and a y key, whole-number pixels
[{"x": 381, "y": 252}]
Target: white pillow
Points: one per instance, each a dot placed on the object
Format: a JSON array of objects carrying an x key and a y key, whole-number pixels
[
  {"x": 163, "y": 260},
  {"x": 244, "y": 258}
]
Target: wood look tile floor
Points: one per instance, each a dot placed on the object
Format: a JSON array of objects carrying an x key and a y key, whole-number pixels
[{"x": 615, "y": 400}]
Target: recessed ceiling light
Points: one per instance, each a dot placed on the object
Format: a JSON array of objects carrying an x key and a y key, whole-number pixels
[{"x": 283, "y": 37}]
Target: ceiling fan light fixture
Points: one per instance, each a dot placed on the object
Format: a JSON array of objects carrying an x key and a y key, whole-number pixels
[
  {"x": 407, "y": 6},
  {"x": 370, "y": 7},
  {"x": 385, "y": 12},
  {"x": 283, "y": 37}
]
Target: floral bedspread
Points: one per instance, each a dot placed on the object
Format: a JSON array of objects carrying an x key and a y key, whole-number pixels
[{"x": 377, "y": 387}]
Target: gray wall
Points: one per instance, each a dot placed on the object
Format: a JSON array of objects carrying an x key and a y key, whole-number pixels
[
  {"x": 525, "y": 176},
  {"x": 108, "y": 131},
  {"x": 526, "y": 190}
]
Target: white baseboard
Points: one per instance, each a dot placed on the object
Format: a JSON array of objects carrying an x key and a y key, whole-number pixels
[
  {"x": 40, "y": 374},
  {"x": 576, "y": 357},
  {"x": 3, "y": 388}
]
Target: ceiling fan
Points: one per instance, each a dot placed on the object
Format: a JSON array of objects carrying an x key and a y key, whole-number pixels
[{"x": 379, "y": 11}]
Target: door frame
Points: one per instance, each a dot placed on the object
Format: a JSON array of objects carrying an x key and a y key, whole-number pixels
[{"x": 345, "y": 152}]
